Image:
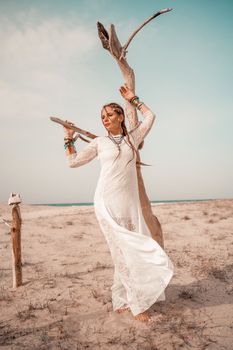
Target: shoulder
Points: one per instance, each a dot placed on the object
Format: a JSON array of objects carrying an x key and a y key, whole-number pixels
[
  {"x": 93, "y": 143},
  {"x": 97, "y": 142},
  {"x": 100, "y": 139}
]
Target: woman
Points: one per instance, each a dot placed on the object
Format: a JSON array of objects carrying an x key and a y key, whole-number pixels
[{"x": 142, "y": 270}]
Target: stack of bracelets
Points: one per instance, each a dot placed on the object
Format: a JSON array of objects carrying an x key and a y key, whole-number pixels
[
  {"x": 68, "y": 142},
  {"x": 135, "y": 102}
]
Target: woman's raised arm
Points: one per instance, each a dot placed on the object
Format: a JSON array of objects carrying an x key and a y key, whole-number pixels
[{"x": 142, "y": 129}]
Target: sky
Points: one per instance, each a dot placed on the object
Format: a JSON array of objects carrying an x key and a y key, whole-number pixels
[{"x": 52, "y": 64}]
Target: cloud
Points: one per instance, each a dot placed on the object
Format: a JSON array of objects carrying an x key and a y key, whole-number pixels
[
  {"x": 37, "y": 60},
  {"x": 44, "y": 43}
]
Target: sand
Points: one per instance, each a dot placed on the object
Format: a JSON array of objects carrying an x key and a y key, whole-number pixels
[{"x": 65, "y": 300}]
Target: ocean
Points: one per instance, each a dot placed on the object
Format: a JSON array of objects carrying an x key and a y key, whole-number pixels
[{"x": 152, "y": 202}]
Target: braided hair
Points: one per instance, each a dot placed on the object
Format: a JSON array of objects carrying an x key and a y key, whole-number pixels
[{"x": 119, "y": 110}]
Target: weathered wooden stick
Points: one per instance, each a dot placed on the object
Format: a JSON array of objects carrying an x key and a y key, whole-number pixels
[
  {"x": 75, "y": 128},
  {"x": 5, "y": 222},
  {"x": 16, "y": 246},
  {"x": 111, "y": 43},
  {"x": 124, "y": 48}
]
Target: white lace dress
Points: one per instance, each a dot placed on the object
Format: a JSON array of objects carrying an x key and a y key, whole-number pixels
[{"x": 142, "y": 269}]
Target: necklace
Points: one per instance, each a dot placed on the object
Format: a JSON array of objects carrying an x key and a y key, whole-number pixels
[{"x": 117, "y": 139}]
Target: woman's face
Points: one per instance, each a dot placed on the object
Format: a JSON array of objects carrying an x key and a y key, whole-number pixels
[{"x": 111, "y": 119}]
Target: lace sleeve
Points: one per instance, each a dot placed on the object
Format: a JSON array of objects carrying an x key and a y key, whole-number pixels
[
  {"x": 140, "y": 132},
  {"x": 84, "y": 156}
]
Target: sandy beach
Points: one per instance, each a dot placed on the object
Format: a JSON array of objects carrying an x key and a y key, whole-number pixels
[{"x": 65, "y": 300}]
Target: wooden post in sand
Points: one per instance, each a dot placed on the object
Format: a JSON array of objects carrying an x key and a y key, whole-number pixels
[{"x": 14, "y": 201}]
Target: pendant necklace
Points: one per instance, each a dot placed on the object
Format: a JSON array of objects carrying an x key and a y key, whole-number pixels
[{"x": 117, "y": 139}]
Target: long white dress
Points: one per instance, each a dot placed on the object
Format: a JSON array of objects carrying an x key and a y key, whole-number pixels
[{"x": 142, "y": 269}]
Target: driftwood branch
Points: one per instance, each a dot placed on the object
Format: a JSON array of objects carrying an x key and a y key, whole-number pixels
[
  {"x": 5, "y": 222},
  {"x": 111, "y": 43},
  {"x": 124, "y": 48},
  {"x": 75, "y": 128}
]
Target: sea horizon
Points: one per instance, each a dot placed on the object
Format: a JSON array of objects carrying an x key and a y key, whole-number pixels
[{"x": 152, "y": 202}]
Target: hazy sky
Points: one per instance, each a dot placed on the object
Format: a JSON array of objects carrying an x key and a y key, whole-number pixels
[{"x": 52, "y": 63}]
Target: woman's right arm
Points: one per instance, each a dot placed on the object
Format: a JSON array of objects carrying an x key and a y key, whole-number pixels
[{"x": 84, "y": 156}]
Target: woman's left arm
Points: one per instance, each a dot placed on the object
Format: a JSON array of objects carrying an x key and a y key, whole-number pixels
[
  {"x": 141, "y": 131},
  {"x": 143, "y": 128}
]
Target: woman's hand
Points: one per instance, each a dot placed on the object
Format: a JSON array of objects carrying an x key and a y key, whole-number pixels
[
  {"x": 126, "y": 93},
  {"x": 69, "y": 132}
]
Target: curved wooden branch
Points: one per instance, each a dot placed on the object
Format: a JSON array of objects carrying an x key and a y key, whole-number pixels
[
  {"x": 75, "y": 128},
  {"x": 124, "y": 48},
  {"x": 111, "y": 43}
]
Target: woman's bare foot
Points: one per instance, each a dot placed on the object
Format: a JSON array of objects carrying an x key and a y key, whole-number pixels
[
  {"x": 122, "y": 309},
  {"x": 143, "y": 316}
]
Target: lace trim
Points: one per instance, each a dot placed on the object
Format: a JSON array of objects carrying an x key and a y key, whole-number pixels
[{"x": 125, "y": 222}]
